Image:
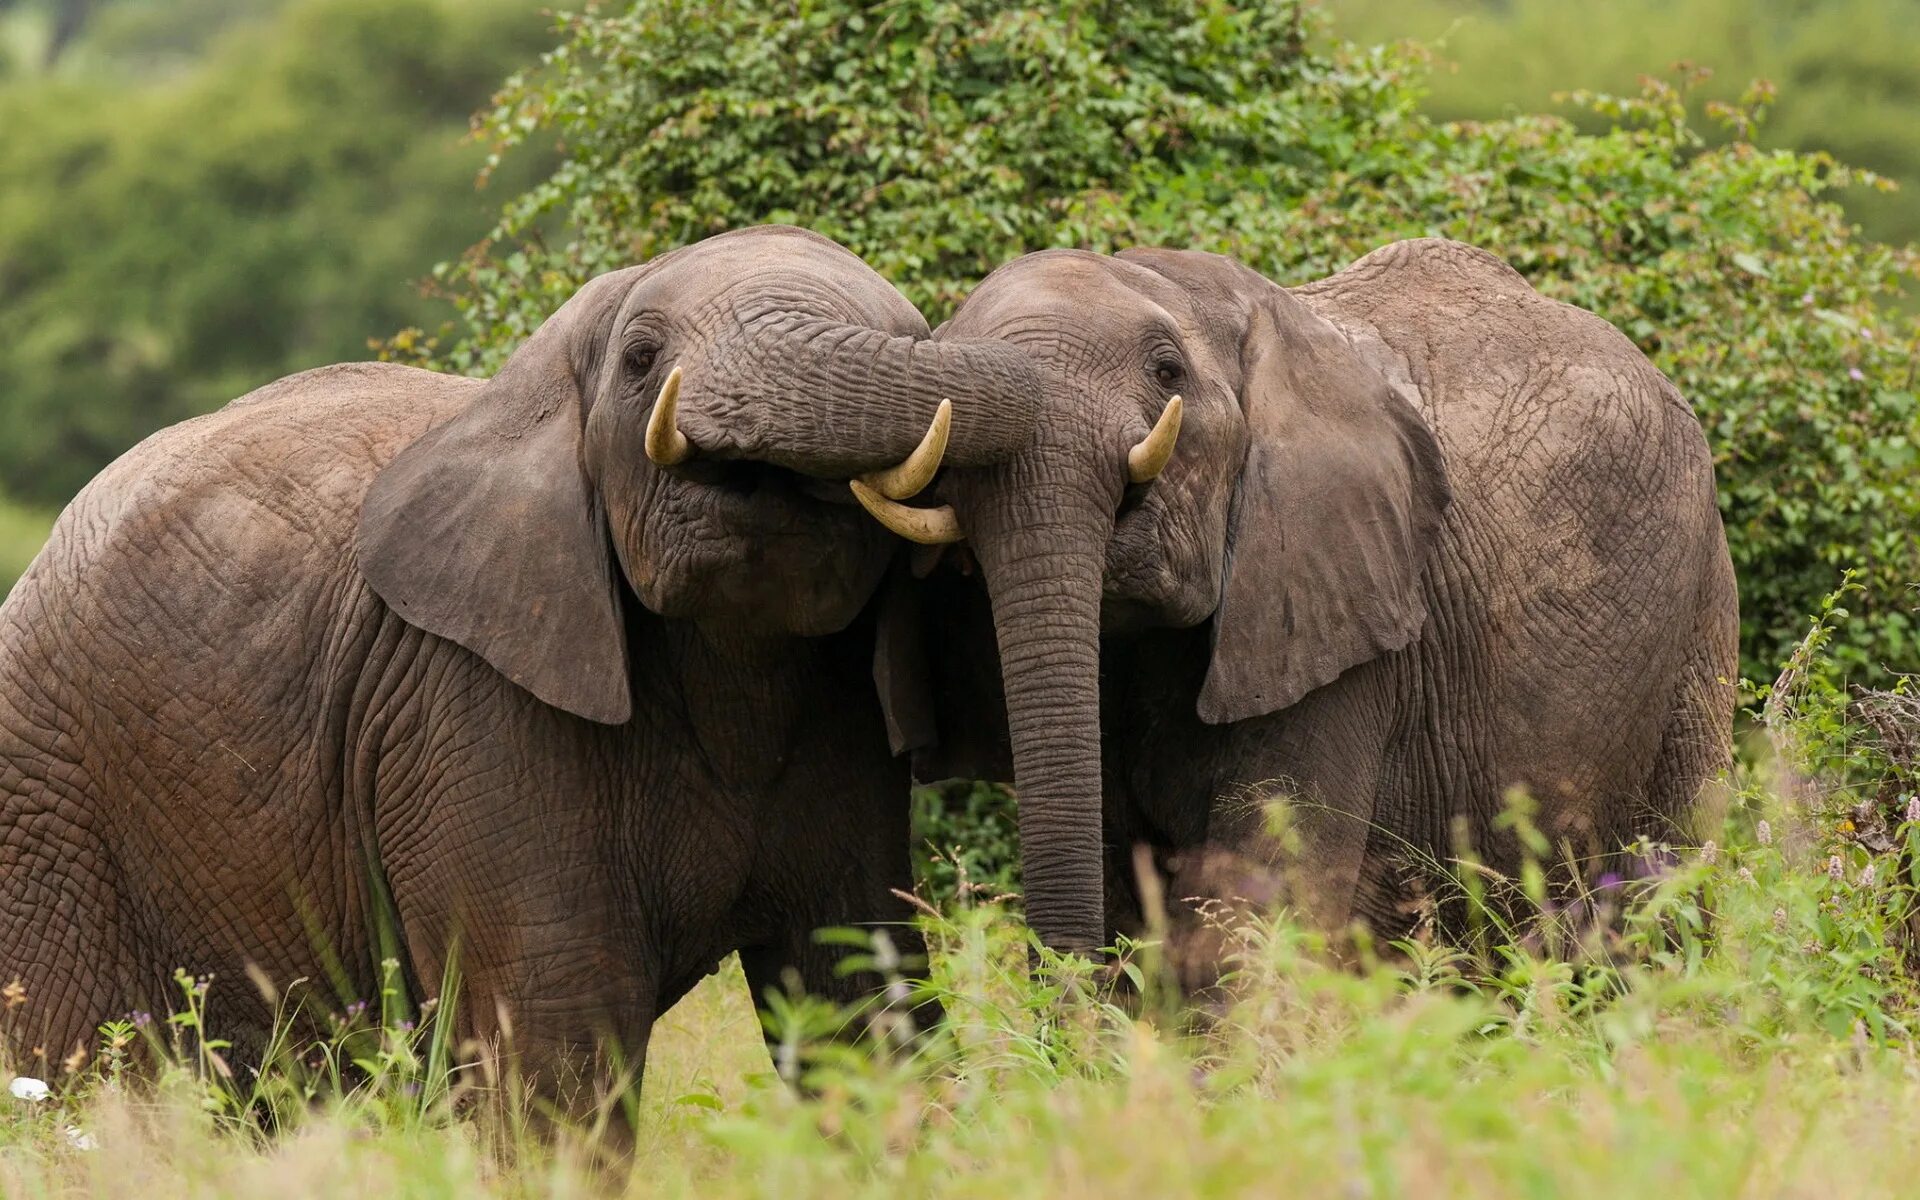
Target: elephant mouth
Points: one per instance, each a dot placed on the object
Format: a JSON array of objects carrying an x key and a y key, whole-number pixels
[{"x": 757, "y": 482}]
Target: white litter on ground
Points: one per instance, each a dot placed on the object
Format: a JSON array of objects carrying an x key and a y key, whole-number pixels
[{"x": 31, "y": 1090}]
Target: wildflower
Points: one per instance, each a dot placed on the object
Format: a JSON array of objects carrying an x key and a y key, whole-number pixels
[
  {"x": 1709, "y": 853},
  {"x": 1764, "y": 832},
  {"x": 356, "y": 1010},
  {"x": 31, "y": 1090},
  {"x": 1913, "y": 810},
  {"x": 1745, "y": 876},
  {"x": 1855, "y": 374},
  {"x": 76, "y": 1060},
  {"x": 15, "y": 993},
  {"x": 141, "y": 1018},
  {"x": 1835, "y": 868},
  {"x": 1779, "y": 920},
  {"x": 1866, "y": 876}
]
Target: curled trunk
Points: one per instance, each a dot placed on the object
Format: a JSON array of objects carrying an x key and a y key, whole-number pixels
[{"x": 836, "y": 400}]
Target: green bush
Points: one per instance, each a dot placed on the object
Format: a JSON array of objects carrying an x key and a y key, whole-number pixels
[
  {"x": 169, "y": 243},
  {"x": 1846, "y": 67},
  {"x": 966, "y": 843},
  {"x": 939, "y": 138}
]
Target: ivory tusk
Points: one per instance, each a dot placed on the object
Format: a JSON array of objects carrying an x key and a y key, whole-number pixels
[
  {"x": 917, "y": 470},
  {"x": 928, "y": 526},
  {"x": 666, "y": 445},
  {"x": 1146, "y": 460}
]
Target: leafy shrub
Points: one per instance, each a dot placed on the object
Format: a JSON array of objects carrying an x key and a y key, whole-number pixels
[
  {"x": 1846, "y": 67},
  {"x": 966, "y": 843},
  {"x": 939, "y": 138}
]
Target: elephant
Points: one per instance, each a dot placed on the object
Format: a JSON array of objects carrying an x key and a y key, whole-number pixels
[
  {"x": 563, "y": 677},
  {"x": 1388, "y": 546}
]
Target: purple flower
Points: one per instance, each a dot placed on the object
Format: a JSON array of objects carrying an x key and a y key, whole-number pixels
[
  {"x": 1611, "y": 879},
  {"x": 141, "y": 1018},
  {"x": 1856, "y": 374}
]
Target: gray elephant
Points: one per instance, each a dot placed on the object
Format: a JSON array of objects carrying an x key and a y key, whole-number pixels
[
  {"x": 1391, "y": 543},
  {"x": 567, "y": 673}
]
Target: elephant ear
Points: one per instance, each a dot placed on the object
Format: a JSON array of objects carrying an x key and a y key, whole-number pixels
[
  {"x": 487, "y": 532},
  {"x": 1342, "y": 493}
]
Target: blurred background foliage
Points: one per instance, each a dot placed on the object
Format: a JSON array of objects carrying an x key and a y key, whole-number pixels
[
  {"x": 1848, "y": 71},
  {"x": 191, "y": 207},
  {"x": 198, "y": 196}
]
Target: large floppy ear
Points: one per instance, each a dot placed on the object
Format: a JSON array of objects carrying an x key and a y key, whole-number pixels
[
  {"x": 1341, "y": 496},
  {"x": 487, "y": 532}
]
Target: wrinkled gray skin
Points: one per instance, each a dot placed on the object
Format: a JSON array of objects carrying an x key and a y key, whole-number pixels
[
  {"x": 374, "y": 632},
  {"x": 1426, "y": 536}
]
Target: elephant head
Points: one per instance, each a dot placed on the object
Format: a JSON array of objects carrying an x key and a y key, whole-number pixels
[
  {"x": 673, "y": 427},
  {"x": 1207, "y": 449}
]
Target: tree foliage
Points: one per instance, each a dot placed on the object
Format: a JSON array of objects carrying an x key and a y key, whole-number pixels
[
  {"x": 168, "y": 244},
  {"x": 1845, "y": 68},
  {"x": 939, "y": 138}
]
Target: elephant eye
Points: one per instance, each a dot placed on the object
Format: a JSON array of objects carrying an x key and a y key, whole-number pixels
[
  {"x": 640, "y": 360},
  {"x": 1168, "y": 372}
]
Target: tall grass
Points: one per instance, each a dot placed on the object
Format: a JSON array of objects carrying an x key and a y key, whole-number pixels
[{"x": 1739, "y": 1024}]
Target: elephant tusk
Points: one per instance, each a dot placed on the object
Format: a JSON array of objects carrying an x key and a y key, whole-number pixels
[
  {"x": 928, "y": 526},
  {"x": 1146, "y": 460},
  {"x": 666, "y": 445},
  {"x": 917, "y": 470}
]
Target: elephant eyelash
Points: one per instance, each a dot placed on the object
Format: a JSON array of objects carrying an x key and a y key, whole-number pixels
[
  {"x": 640, "y": 360},
  {"x": 1167, "y": 371}
]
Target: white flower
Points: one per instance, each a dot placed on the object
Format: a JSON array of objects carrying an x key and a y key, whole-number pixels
[
  {"x": 1709, "y": 853},
  {"x": 1835, "y": 869},
  {"x": 1866, "y": 876},
  {"x": 31, "y": 1090},
  {"x": 1913, "y": 810},
  {"x": 1745, "y": 876},
  {"x": 1764, "y": 832}
]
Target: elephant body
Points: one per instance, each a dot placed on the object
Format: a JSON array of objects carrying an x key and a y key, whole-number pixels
[
  {"x": 265, "y": 764},
  {"x": 1427, "y": 537},
  {"x": 1581, "y": 633},
  {"x": 564, "y": 676}
]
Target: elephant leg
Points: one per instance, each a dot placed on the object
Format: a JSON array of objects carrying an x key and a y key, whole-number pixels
[
  {"x": 553, "y": 996},
  {"x": 1696, "y": 742},
  {"x": 67, "y": 958}
]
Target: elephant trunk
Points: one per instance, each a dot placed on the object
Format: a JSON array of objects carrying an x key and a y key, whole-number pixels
[
  {"x": 834, "y": 400},
  {"x": 1039, "y": 541}
]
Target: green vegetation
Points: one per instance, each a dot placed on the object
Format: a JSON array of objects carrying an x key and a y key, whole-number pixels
[
  {"x": 1845, "y": 69},
  {"x": 938, "y": 138},
  {"x": 1739, "y": 1024},
  {"x": 22, "y": 530},
  {"x": 169, "y": 241},
  {"x": 184, "y": 216}
]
